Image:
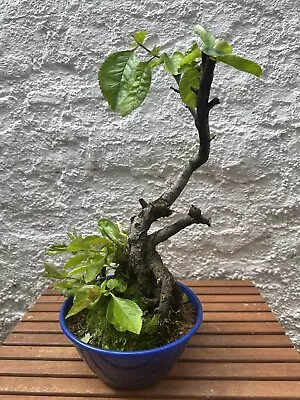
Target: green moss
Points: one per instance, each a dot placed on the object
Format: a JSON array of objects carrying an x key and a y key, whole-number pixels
[
  {"x": 91, "y": 323},
  {"x": 103, "y": 334}
]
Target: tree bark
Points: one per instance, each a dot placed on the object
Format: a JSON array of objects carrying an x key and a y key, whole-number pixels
[{"x": 155, "y": 281}]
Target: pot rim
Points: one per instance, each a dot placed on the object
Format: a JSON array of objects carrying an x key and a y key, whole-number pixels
[{"x": 199, "y": 316}]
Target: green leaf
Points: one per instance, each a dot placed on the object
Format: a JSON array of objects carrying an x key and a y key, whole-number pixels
[
  {"x": 124, "y": 81},
  {"x": 94, "y": 270},
  {"x": 94, "y": 240},
  {"x": 222, "y": 47},
  {"x": 189, "y": 79},
  {"x": 155, "y": 51},
  {"x": 156, "y": 61},
  {"x": 176, "y": 59},
  {"x": 78, "y": 272},
  {"x": 140, "y": 36},
  {"x": 52, "y": 272},
  {"x": 75, "y": 260},
  {"x": 76, "y": 245},
  {"x": 84, "y": 297},
  {"x": 207, "y": 38},
  {"x": 80, "y": 243},
  {"x": 136, "y": 90},
  {"x": 80, "y": 302},
  {"x": 57, "y": 249},
  {"x": 115, "y": 73},
  {"x": 112, "y": 231},
  {"x": 241, "y": 64},
  {"x": 66, "y": 284},
  {"x": 117, "y": 284},
  {"x": 169, "y": 64},
  {"x": 191, "y": 55},
  {"x": 124, "y": 314}
]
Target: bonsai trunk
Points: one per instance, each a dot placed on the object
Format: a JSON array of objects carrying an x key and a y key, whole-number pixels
[{"x": 155, "y": 281}]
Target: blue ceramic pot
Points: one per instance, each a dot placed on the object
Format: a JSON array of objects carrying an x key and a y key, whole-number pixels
[{"x": 132, "y": 369}]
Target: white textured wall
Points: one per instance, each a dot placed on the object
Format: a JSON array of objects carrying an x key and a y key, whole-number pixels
[{"x": 65, "y": 160}]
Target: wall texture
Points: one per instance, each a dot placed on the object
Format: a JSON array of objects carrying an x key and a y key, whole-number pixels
[{"x": 65, "y": 160}]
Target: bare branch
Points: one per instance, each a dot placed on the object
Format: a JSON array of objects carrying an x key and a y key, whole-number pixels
[
  {"x": 175, "y": 90},
  {"x": 213, "y": 103},
  {"x": 194, "y": 217},
  {"x": 201, "y": 121},
  {"x": 196, "y": 214},
  {"x": 143, "y": 203}
]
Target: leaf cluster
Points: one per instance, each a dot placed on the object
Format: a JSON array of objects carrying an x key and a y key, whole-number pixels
[
  {"x": 86, "y": 275},
  {"x": 125, "y": 79}
]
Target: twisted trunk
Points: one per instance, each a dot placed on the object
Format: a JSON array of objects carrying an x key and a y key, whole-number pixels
[{"x": 155, "y": 281}]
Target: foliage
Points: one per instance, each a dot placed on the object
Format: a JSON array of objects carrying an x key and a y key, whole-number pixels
[
  {"x": 85, "y": 275},
  {"x": 125, "y": 80}
]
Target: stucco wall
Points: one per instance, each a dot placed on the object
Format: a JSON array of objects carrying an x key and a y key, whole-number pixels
[{"x": 65, "y": 160}]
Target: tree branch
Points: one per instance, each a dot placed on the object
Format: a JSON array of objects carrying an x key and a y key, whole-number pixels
[
  {"x": 150, "y": 271},
  {"x": 194, "y": 217},
  {"x": 213, "y": 103},
  {"x": 175, "y": 90},
  {"x": 143, "y": 203},
  {"x": 201, "y": 122}
]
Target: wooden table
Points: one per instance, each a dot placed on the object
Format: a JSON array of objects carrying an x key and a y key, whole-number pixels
[{"x": 240, "y": 352}]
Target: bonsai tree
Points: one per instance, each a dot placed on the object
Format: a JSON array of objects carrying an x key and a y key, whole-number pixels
[{"x": 142, "y": 285}]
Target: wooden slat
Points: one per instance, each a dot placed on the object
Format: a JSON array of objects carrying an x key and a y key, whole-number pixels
[
  {"x": 238, "y": 298},
  {"x": 241, "y": 354},
  {"x": 238, "y": 371},
  {"x": 38, "y": 352},
  {"x": 226, "y": 290},
  {"x": 206, "y": 327},
  {"x": 219, "y": 307},
  {"x": 33, "y": 339},
  {"x": 191, "y": 370},
  {"x": 50, "y": 299},
  {"x": 46, "y": 307},
  {"x": 217, "y": 283},
  {"x": 169, "y": 389},
  {"x": 49, "y": 316},
  {"x": 60, "y": 368},
  {"x": 198, "y": 340},
  {"x": 233, "y": 307},
  {"x": 238, "y": 316},
  {"x": 205, "y": 283},
  {"x": 205, "y": 298},
  {"x": 190, "y": 354},
  {"x": 222, "y": 290},
  {"x": 30, "y": 326},
  {"x": 19, "y": 396},
  {"x": 208, "y": 340},
  {"x": 241, "y": 327}
]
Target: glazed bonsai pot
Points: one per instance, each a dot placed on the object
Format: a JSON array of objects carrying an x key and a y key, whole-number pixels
[{"x": 133, "y": 369}]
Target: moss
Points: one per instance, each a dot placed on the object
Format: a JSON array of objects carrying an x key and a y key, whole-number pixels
[{"x": 92, "y": 323}]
